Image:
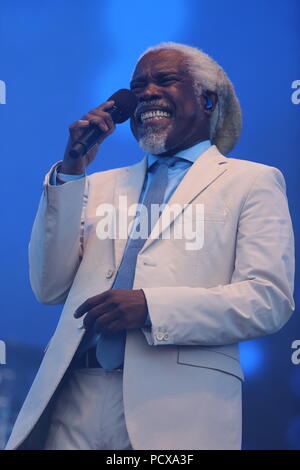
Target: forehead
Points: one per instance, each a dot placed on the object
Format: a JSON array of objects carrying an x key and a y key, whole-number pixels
[{"x": 164, "y": 60}]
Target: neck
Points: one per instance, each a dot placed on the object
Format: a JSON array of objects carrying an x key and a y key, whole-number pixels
[{"x": 174, "y": 150}]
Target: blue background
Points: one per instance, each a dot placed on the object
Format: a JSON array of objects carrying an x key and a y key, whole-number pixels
[{"x": 61, "y": 58}]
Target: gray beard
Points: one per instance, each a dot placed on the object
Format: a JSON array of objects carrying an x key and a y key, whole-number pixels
[{"x": 153, "y": 142}]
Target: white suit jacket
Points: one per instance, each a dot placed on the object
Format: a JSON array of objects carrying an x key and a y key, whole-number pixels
[{"x": 182, "y": 377}]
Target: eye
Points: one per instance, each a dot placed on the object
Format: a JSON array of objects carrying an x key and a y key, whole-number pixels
[
  {"x": 136, "y": 85},
  {"x": 168, "y": 80}
]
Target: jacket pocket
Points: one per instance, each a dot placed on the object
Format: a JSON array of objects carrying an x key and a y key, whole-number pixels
[{"x": 211, "y": 359}]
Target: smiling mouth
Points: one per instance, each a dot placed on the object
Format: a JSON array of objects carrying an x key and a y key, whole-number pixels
[
  {"x": 152, "y": 112},
  {"x": 154, "y": 115}
]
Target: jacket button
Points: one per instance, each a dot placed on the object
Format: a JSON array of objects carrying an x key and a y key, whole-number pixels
[
  {"x": 159, "y": 336},
  {"x": 109, "y": 273}
]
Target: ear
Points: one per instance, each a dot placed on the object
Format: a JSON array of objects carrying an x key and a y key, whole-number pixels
[{"x": 209, "y": 100}]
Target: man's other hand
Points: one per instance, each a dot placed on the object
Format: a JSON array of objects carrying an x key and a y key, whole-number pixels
[{"x": 114, "y": 310}]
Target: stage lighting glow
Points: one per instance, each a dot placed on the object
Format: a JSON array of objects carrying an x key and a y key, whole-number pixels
[
  {"x": 293, "y": 433},
  {"x": 251, "y": 357},
  {"x": 131, "y": 30},
  {"x": 295, "y": 381}
]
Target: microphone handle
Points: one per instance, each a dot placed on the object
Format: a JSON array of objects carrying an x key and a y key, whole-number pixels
[{"x": 91, "y": 136}]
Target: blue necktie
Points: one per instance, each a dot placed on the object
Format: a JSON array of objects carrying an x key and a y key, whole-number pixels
[{"x": 111, "y": 346}]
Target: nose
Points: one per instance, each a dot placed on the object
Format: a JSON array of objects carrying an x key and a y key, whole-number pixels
[{"x": 150, "y": 92}]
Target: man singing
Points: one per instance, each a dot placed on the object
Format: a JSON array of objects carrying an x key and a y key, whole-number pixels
[{"x": 145, "y": 355}]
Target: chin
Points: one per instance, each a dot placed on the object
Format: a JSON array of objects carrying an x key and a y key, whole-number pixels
[{"x": 153, "y": 141}]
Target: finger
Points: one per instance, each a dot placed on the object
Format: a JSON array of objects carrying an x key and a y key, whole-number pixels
[
  {"x": 115, "y": 326},
  {"x": 79, "y": 124},
  {"x": 98, "y": 110},
  {"x": 77, "y": 128},
  {"x": 98, "y": 116},
  {"x": 106, "y": 135},
  {"x": 106, "y": 105},
  {"x": 101, "y": 124},
  {"x": 104, "y": 121},
  {"x": 88, "y": 321},
  {"x": 96, "y": 313},
  {"x": 102, "y": 323},
  {"x": 90, "y": 303},
  {"x": 107, "y": 324},
  {"x": 109, "y": 121}
]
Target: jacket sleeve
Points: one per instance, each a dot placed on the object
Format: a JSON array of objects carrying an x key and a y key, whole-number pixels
[
  {"x": 259, "y": 298},
  {"x": 55, "y": 247}
]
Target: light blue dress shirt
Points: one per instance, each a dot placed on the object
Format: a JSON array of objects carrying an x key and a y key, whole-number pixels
[{"x": 175, "y": 175}]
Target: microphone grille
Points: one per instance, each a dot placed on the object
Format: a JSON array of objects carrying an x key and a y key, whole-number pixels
[{"x": 126, "y": 102}]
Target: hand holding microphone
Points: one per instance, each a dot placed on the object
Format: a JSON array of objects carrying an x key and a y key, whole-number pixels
[{"x": 87, "y": 133}]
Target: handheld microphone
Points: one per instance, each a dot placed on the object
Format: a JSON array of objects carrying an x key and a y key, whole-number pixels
[{"x": 123, "y": 109}]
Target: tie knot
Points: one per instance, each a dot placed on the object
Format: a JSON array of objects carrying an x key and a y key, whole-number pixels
[{"x": 168, "y": 161}]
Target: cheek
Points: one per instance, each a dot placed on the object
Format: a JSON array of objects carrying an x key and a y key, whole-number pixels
[
  {"x": 184, "y": 105},
  {"x": 192, "y": 109},
  {"x": 189, "y": 117},
  {"x": 195, "y": 117}
]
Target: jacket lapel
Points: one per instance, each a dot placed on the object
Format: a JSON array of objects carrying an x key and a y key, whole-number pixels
[
  {"x": 128, "y": 187},
  {"x": 206, "y": 169}
]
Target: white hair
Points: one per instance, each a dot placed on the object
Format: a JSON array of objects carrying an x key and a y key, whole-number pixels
[{"x": 208, "y": 76}]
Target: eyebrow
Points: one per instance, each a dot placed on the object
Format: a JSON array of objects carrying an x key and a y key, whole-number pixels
[{"x": 159, "y": 74}]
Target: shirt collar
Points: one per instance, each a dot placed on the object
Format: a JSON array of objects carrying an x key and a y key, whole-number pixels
[{"x": 191, "y": 154}]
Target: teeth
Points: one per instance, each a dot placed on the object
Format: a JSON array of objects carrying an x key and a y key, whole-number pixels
[{"x": 154, "y": 114}]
